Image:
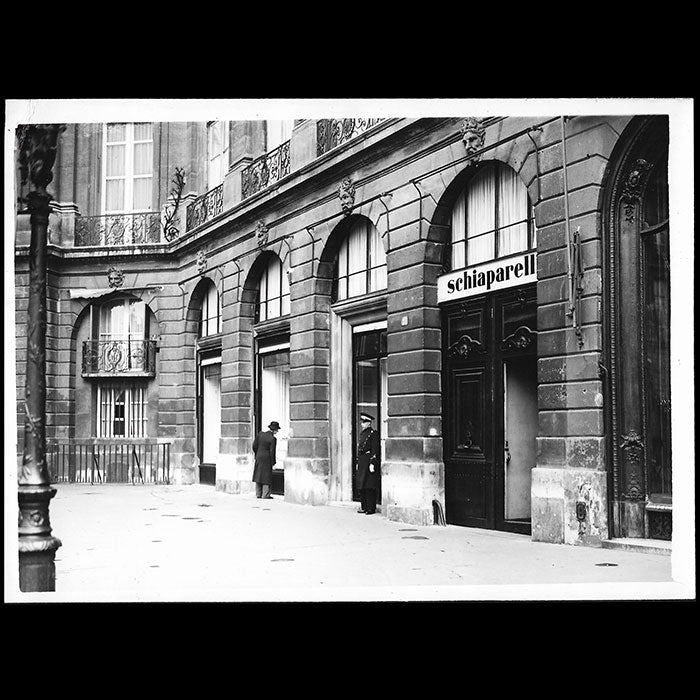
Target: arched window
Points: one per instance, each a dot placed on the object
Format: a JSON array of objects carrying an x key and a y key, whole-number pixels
[
  {"x": 361, "y": 263},
  {"x": 492, "y": 217},
  {"x": 210, "y": 323},
  {"x": 273, "y": 292}
]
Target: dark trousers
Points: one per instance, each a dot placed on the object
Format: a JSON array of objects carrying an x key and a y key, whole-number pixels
[
  {"x": 262, "y": 490},
  {"x": 368, "y": 500}
]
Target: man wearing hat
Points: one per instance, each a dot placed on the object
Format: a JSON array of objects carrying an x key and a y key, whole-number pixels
[
  {"x": 367, "y": 469},
  {"x": 265, "y": 448}
]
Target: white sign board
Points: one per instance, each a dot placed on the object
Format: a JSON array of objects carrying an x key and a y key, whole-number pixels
[{"x": 487, "y": 277}]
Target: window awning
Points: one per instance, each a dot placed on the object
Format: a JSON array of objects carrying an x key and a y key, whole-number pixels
[{"x": 101, "y": 292}]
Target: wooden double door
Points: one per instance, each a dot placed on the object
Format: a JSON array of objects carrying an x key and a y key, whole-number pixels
[{"x": 490, "y": 420}]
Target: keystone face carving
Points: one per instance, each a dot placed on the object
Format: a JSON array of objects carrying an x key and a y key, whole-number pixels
[
  {"x": 473, "y": 135},
  {"x": 346, "y": 193},
  {"x": 115, "y": 277},
  {"x": 201, "y": 262},
  {"x": 262, "y": 232}
]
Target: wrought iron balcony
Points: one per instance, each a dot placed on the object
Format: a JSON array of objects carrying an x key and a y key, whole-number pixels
[
  {"x": 118, "y": 229},
  {"x": 107, "y": 358},
  {"x": 205, "y": 208},
  {"x": 332, "y": 132},
  {"x": 266, "y": 170}
]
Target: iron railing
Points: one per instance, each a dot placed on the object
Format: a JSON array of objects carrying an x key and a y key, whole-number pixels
[
  {"x": 205, "y": 208},
  {"x": 110, "y": 357},
  {"x": 108, "y": 460},
  {"x": 118, "y": 229},
  {"x": 332, "y": 132},
  {"x": 266, "y": 170}
]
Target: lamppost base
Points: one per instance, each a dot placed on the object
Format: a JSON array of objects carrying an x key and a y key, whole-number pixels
[{"x": 37, "y": 568}]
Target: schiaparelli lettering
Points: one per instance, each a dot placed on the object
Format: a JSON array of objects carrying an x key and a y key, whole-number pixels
[{"x": 475, "y": 278}]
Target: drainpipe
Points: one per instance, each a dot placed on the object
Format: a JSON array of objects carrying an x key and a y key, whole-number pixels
[{"x": 570, "y": 312}]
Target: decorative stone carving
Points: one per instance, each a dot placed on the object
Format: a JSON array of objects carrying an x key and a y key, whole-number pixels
[
  {"x": 262, "y": 232},
  {"x": 634, "y": 183},
  {"x": 633, "y": 447},
  {"x": 519, "y": 340},
  {"x": 346, "y": 193},
  {"x": 115, "y": 277},
  {"x": 473, "y": 135},
  {"x": 201, "y": 262},
  {"x": 465, "y": 346}
]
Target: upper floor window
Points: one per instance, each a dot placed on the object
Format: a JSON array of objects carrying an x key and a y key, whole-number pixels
[
  {"x": 273, "y": 291},
  {"x": 128, "y": 168},
  {"x": 361, "y": 262},
  {"x": 492, "y": 217},
  {"x": 121, "y": 319},
  {"x": 210, "y": 323},
  {"x": 278, "y": 131},
  {"x": 217, "y": 152}
]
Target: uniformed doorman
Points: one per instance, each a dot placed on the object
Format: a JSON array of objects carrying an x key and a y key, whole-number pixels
[{"x": 367, "y": 468}]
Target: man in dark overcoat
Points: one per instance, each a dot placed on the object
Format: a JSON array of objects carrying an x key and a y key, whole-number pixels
[
  {"x": 265, "y": 448},
  {"x": 367, "y": 468}
]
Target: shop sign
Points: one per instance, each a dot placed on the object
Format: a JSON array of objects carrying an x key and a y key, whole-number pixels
[{"x": 487, "y": 277}]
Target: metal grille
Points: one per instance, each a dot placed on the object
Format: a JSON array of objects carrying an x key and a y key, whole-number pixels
[
  {"x": 266, "y": 170},
  {"x": 205, "y": 208},
  {"x": 117, "y": 229},
  {"x": 108, "y": 357},
  {"x": 332, "y": 132},
  {"x": 91, "y": 461}
]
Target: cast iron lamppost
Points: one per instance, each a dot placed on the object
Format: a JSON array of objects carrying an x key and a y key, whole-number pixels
[{"x": 37, "y": 548}]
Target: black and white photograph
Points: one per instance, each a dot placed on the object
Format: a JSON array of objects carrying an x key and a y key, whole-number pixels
[{"x": 314, "y": 350}]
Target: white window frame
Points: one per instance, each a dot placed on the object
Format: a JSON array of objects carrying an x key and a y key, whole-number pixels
[
  {"x": 222, "y": 153},
  {"x": 283, "y": 127},
  {"x": 210, "y": 324},
  {"x": 135, "y": 410},
  {"x": 375, "y": 276},
  {"x": 129, "y": 142},
  {"x": 264, "y": 298}
]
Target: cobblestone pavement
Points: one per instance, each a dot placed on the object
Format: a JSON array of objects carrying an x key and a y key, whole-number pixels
[{"x": 149, "y": 543}]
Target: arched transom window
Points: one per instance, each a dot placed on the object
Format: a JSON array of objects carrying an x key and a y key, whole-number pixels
[
  {"x": 210, "y": 323},
  {"x": 361, "y": 263},
  {"x": 492, "y": 217},
  {"x": 273, "y": 291}
]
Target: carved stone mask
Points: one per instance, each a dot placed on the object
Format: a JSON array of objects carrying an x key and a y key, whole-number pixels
[{"x": 473, "y": 134}]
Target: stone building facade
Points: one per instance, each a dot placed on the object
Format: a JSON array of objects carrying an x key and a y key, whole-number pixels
[{"x": 481, "y": 285}]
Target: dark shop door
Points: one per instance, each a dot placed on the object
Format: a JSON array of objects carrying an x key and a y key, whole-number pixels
[
  {"x": 369, "y": 390},
  {"x": 490, "y": 409}
]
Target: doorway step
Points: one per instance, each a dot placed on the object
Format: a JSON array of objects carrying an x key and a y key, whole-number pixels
[{"x": 636, "y": 544}]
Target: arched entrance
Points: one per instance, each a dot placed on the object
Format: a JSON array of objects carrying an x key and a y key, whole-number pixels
[
  {"x": 489, "y": 310},
  {"x": 638, "y": 334}
]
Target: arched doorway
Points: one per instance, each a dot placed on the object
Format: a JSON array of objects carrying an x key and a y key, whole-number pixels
[
  {"x": 489, "y": 309},
  {"x": 638, "y": 334}
]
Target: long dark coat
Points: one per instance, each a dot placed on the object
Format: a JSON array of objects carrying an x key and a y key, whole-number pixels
[
  {"x": 367, "y": 452},
  {"x": 265, "y": 448}
]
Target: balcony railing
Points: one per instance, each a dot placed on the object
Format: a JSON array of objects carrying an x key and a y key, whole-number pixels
[
  {"x": 119, "y": 357},
  {"x": 118, "y": 229},
  {"x": 205, "y": 208},
  {"x": 332, "y": 132},
  {"x": 103, "y": 460},
  {"x": 266, "y": 170}
]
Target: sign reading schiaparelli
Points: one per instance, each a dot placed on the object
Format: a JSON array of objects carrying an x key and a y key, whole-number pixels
[{"x": 487, "y": 277}]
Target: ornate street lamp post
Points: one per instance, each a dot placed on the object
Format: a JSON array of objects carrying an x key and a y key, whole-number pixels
[{"x": 37, "y": 548}]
